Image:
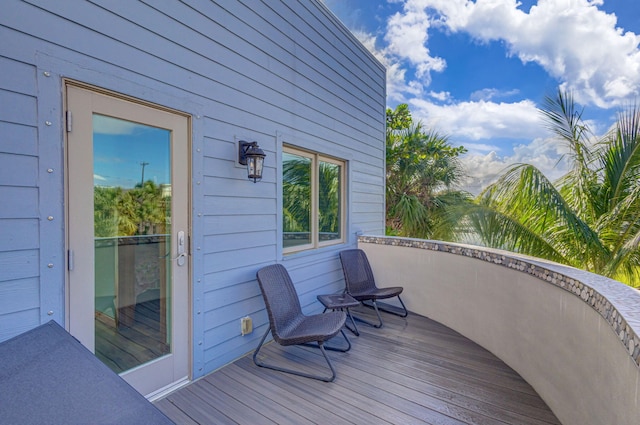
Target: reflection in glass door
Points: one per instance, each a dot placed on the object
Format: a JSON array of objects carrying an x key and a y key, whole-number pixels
[{"x": 132, "y": 237}]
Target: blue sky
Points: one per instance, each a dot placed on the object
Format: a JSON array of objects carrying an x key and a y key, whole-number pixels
[
  {"x": 121, "y": 147},
  {"x": 477, "y": 70}
]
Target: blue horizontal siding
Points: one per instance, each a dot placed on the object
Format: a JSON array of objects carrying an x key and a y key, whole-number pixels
[
  {"x": 229, "y": 312},
  {"x": 19, "y": 235},
  {"x": 19, "y": 295},
  {"x": 242, "y": 205},
  {"x": 18, "y": 108},
  {"x": 270, "y": 71},
  {"x": 218, "y": 298},
  {"x": 230, "y": 224},
  {"x": 18, "y": 202},
  {"x": 227, "y": 260},
  {"x": 18, "y": 170},
  {"x": 17, "y": 77},
  {"x": 13, "y": 324},
  {"x": 19, "y": 209},
  {"x": 231, "y": 277},
  {"x": 18, "y": 264},
  {"x": 18, "y": 139},
  {"x": 240, "y": 239}
]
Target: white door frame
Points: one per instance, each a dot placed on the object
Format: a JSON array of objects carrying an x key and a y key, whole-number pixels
[{"x": 82, "y": 101}]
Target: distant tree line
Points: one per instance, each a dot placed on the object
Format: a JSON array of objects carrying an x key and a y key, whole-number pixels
[{"x": 142, "y": 210}]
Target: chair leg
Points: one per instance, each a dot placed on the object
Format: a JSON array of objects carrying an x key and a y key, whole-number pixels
[
  {"x": 355, "y": 330},
  {"x": 326, "y": 347},
  {"x": 390, "y": 309},
  {"x": 295, "y": 372},
  {"x": 403, "y": 313},
  {"x": 373, "y": 305}
]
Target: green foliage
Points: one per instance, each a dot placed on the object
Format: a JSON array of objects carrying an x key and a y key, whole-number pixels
[
  {"x": 142, "y": 210},
  {"x": 423, "y": 169},
  {"x": 297, "y": 195},
  {"x": 589, "y": 218},
  {"x": 328, "y": 197},
  {"x": 296, "y": 202},
  {"x": 399, "y": 118}
]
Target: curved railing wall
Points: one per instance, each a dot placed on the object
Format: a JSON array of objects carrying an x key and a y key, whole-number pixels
[{"x": 571, "y": 334}]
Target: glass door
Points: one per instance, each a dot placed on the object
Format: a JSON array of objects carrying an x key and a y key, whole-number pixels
[
  {"x": 132, "y": 232},
  {"x": 127, "y": 221}
]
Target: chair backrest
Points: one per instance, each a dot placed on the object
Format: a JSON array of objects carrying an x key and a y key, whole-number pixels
[
  {"x": 280, "y": 297},
  {"x": 358, "y": 276}
]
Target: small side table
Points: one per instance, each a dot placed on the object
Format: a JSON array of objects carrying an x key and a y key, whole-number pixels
[{"x": 341, "y": 302}]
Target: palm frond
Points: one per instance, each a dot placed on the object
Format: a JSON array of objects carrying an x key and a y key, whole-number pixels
[
  {"x": 625, "y": 263},
  {"x": 448, "y": 216},
  {"x": 526, "y": 193},
  {"x": 498, "y": 230},
  {"x": 413, "y": 216},
  {"x": 620, "y": 156},
  {"x": 564, "y": 120}
]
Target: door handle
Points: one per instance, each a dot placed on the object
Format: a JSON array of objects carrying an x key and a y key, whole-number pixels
[{"x": 181, "y": 250}]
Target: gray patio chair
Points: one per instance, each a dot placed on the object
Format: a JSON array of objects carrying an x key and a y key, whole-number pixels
[
  {"x": 289, "y": 326},
  {"x": 361, "y": 285}
]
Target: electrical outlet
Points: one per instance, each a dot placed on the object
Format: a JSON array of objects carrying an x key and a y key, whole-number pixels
[{"x": 246, "y": 325}]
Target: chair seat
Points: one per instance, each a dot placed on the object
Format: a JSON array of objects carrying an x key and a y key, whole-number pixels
[
  {"x": 378, "y": 293},
  {"x": 361, "y": 285},
  {"x": 316, "y": 328},
  {"x": 290, "y": 326}
]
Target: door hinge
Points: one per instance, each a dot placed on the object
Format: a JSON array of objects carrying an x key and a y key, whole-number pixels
[
  {"x": 70, "y": 259},
  {"x": 69, "y": 121}
]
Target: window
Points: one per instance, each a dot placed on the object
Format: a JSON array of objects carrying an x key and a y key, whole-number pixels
[{"x": 312, "y": 200}]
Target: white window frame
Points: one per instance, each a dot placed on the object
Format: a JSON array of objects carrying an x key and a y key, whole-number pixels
[{"x": 316, "y": 158}]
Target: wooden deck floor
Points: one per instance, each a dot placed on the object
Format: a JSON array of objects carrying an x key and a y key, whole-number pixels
[
  {"x": 412, "y": 371},
  {"x": 126, "y": 347}
]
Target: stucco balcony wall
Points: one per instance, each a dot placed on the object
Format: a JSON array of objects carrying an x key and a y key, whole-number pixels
[{"x": 571, "y": 334}]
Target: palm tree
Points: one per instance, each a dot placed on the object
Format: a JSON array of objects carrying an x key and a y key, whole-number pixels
[
  {"x": 329, "y": 199},
  {"x": 422, "y": 172},
  {"x": 142, "y": 210},
  {"x": 590, "y": 217},
  {"x": 151, "y": 209},
  {"x": 296, "y": 202},
  {"x": 105, "y": 211}
]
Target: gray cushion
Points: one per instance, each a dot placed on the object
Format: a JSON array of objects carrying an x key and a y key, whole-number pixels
[{"x": 48, "y": 377}]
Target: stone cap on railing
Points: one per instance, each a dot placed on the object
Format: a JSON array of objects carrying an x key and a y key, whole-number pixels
[{"x": 616, "y": 302}]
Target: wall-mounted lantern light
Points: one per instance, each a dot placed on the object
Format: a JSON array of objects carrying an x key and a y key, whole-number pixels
[{"x": 250, "y": 154}]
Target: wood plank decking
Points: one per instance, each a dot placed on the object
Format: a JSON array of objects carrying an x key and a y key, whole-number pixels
[
  {"x": 125, "y": 347},
  {"x": 411, "y": 371}
]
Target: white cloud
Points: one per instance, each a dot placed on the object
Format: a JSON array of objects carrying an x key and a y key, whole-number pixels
[
  {"x": 475, "y": 148},
  {"x": 107, "y": 125},
  {"x": 397, "y": 87},
  {"x": 478, "y": 125},
  {"x": 442, "y": 96},
  {"x": 480, "y": 120},
  {"x": 483, "y": 169},
  {"x": 407, "y": 35},
  {"x": 488, "y": 94},
  {"x": 572, "y": 39}
]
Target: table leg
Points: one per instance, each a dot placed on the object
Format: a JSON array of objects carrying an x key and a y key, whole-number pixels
[{"x": 355, "y": 328}]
